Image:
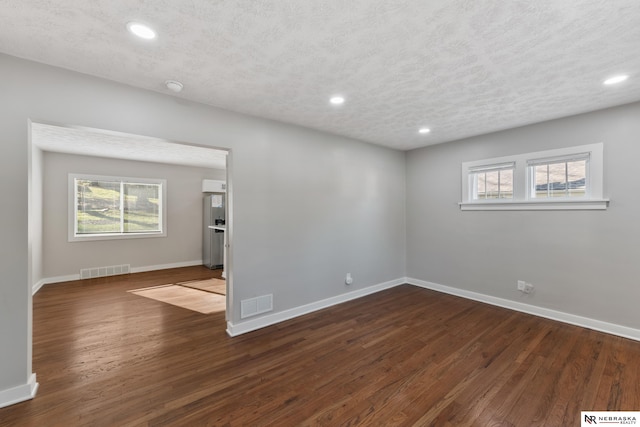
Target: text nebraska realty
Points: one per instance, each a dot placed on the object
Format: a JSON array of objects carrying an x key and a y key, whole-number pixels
[{"x": 612, "y": 419}]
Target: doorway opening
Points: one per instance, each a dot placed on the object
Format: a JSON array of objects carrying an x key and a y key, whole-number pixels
[{"x": 56, "y": 151}]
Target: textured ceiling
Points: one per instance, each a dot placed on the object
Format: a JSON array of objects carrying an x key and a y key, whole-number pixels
[
  {"x": 460, "y": 67},
  {"x": 117, "y": 145}
]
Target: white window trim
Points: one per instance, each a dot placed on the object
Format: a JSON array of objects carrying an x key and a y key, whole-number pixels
[
  {"x": 593, "y": 199},
  {"x": 72, "y": 214}
]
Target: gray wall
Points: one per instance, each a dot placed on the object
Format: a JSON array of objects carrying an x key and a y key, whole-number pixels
[
  {"x": 183, "y": 242},
  {"x": 308, "y": 206},
  {"x": 581, "y": 262}
]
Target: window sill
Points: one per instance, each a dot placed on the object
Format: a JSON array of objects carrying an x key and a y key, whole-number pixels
[
  {"x": 125, "y": 236},
  {"x": 530, "y": 205}
]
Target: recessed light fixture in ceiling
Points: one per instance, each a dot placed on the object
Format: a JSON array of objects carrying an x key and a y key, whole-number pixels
[
  {"x": 424, "y": 130},
  {"x": 615, "y": 79},
  {"x": 174, "y": 85},
  {"x": 337, "y": 100},
  {"x": 141, "y": 30}
]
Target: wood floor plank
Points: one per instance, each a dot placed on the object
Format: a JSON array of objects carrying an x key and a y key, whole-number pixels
[{"x": 405, "y": 356}]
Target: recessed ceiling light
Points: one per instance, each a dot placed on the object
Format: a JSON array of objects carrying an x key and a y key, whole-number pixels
[
  {"x": 174, "y": 85},
  {"x": 424, "y": 130},
  {"x": 141, "y": 30},
  {"x": 616, "y": 79},
  {"x": 337, "y": 100}
]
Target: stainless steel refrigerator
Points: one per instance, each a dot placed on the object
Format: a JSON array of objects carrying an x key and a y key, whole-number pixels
[{"x": 214, "y": 228}]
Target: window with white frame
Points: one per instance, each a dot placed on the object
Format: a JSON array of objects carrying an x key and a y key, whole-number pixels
[
  {"x": 492, "y": 181},
  {"x": 560, "y": 177},
  {"x": 107, "y": 207},
  {"x": 566, "y": 178}
]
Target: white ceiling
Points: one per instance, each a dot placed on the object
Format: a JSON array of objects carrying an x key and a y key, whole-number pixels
[
  {"x": 117, "y": 145},
  {"x": 459, "y": 67}
]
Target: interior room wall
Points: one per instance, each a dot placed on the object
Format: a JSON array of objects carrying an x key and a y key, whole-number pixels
[
  {"x": 580, "y": 262},
  {"x": 308, "y": 206},
  {"x": 182, "y": 245}
]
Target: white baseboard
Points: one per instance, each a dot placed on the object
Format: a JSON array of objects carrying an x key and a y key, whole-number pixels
[
  {"x": 20, "y": 393},
  {"x": 165, "y": 266},
  {"x": 59, "y": 279},
  {"x": 585, "y": 322},
  {"x": 271, "y": 319}
]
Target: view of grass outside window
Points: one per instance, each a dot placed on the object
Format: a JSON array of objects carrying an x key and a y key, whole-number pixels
[
  {"x": 493, "y": 183},
  {"x": 561, "y": 179},
  {"x": 107, "y": 207}
]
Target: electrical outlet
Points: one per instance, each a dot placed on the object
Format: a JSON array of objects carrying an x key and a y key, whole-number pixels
[
  {"x": 525, "y": 287},
  {"x": 348, "y": 280}
]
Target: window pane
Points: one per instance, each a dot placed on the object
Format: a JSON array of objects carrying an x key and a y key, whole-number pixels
[
  {"x": 577, "y": 174},
  {"x": 541, "y": 181},
  {"x": 481, "y": 186},
  {"x": 98, "y": 206},
  {"x": 563, "y": 179},
  {"x": 558, "y": 179},
  {"x": 493, "y": 184},
  {"x": 141, "y": 208},
  {"x": 492, "y": 179},
  {"x": 506, "y": 184}
]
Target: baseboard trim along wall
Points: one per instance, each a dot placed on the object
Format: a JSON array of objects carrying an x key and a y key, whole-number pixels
[
  {"x": 58, "y": 279},
  {"x": 572, "y": 319},
  {"x": 20, "y": 393},
  {"x": 166, "y": 266},
  {"x": 271, "y": 319},
  {"x": 585, "y": 322},
  {"x": 68, "y": 278}
]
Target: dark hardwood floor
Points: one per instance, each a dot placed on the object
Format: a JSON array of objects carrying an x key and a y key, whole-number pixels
[{"x": 405, "y": 356}]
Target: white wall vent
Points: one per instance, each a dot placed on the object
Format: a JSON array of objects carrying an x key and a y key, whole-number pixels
[
  {"x": 254, "y": 306},
  {"x": 112, "y": 270}
]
